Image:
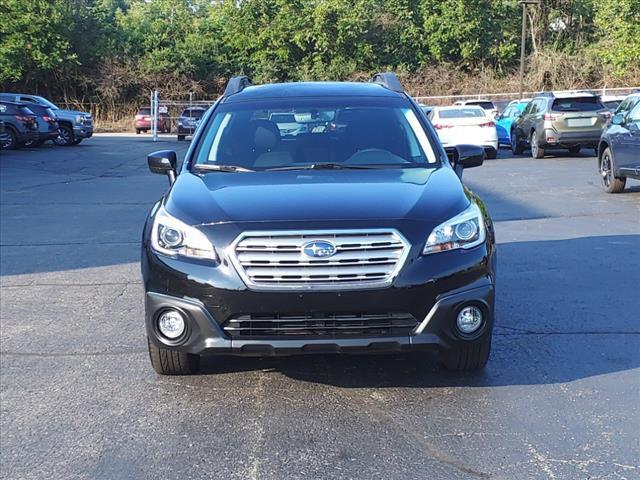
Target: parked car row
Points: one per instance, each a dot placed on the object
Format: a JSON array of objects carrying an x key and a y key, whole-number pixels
[
  {"x": 551, "y": 120},
  {"x": 187, "y": 121},
  {"x": 31, "y": 120}
]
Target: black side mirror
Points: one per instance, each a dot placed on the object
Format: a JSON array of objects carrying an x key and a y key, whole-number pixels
[
  {"x": 465, "y": 156},
  {"x": 618, "y": 119},
  {"x": 163, "y": 162},
  {"x": 470, "y": 156}
]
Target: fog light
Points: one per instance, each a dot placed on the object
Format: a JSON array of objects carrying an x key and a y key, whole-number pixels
[
  {"x": 469, "y": 319},
  {"x": 171, "y": 324}
]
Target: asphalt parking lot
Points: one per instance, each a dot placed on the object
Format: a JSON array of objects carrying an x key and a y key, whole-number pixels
[{"x": 558, "y": 400}]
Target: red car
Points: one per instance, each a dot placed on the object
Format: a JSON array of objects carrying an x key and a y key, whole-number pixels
[{"x": 144, "y": 117}]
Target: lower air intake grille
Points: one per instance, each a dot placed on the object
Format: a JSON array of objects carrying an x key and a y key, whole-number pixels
[{"x": 321, "y": 325}]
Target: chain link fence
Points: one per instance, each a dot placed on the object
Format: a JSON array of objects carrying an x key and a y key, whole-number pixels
[
  {"x": 121, "y": 116},
  {"x": 501, "y": 100}
]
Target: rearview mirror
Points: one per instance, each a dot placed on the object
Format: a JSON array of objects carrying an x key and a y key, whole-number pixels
[
  {"x": 163, "y": 162},
  {"x": 618, "y": 119}
]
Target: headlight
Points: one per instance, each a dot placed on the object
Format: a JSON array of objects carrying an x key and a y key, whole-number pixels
[
  {"x": 172, "y": 237},
  {"x": 465, "y": 230}
]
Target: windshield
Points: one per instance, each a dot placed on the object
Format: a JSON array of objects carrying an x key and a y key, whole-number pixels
[
  {"x": 577, "y": 104},
  {"x": 302, "y": 132},
  {"x": 483, "y": 104},
  {"x": 193, "y": 113},
  {"x": 462, "y": 113},
  {"x": 612, "y": 104},
  {"x": 42, "y": 100},
  {"x": 25, "y": 110}
]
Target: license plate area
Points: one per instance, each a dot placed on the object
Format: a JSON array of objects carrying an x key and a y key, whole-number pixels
[{"x": 580, "y": 122}]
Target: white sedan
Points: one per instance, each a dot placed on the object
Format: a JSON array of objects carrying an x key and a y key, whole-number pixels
[{"x": 470, "y": 125}]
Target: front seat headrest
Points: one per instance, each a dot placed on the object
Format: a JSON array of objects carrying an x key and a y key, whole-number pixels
[{"x": 266, "y": 134}]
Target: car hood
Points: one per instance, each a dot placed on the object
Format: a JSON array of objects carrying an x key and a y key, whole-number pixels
[
  {"x": 69, "y": 113},
  {"x": 307, "y": 196}
]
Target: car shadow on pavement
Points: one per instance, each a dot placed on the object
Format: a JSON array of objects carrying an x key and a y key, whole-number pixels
[{"x": 566, "y": 310}]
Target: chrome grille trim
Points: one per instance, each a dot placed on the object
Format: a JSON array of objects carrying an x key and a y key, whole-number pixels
[{"x": 273, "y": 260}]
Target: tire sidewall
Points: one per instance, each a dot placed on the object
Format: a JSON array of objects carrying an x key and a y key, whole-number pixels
[
  {"x": 13, "y": 140},
  {"x": 60, "y": 140},
  {"x": 607, "y": 153}
]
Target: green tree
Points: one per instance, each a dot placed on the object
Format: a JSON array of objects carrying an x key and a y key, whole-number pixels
[
  {"x": 618, "y": 25},
  {"x": 33, "y": 41}
]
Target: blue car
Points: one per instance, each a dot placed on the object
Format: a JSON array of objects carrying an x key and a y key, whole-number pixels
[{"x": 506, "y": 119}]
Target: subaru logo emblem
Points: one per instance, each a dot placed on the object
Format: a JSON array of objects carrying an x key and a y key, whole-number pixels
[{"x": 319, "y": 249}]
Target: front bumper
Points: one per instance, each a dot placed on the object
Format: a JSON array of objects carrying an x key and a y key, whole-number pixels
[
  {"x": 589, "y": 138},
  {"x": 432, "y": 289},
  {"x": 82, "y": 131},
  {"x": 186, "y": 129}
]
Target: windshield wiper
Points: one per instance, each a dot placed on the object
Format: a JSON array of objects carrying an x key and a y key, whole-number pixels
[
  {"x": 322, "y": 166},
  {"x": 210, "y": 167}
]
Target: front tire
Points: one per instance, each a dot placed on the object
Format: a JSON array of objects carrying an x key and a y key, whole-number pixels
[
  {"x": 610, "y": 182},
  {"x": 516, "y": 146},
  {"x": 468, "y": 357},
  {"x": 172, "y": 362},
  {"x": 65, "y": 136},
  {"x": 536, "y": 150}
]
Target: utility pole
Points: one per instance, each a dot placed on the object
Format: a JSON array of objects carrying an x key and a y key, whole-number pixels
[
  {"x": 154, "y": 125},
  {"x": 523, "y": 39}
]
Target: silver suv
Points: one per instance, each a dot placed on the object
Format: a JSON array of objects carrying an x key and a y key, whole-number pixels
[{"x": 562, "y": 120}]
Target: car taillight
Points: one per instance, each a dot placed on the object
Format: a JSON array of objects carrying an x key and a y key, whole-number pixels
[
  {"x": 48, "y": 119},
  {"x": 488, "y": 124},
  {"x": 23, "y": 118},
  {"x": 548, "y": 117},
  {"x": 440, "y": 126}
]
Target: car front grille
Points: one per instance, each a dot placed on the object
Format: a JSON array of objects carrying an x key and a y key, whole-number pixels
[
  {"x": 320, "y": 325},
  {"x": 277, "y": 260}
]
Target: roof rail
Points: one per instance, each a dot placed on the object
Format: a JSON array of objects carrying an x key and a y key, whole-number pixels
[
  {"x": 388, "y": 80},
  {"x": 236, "y": 85}
]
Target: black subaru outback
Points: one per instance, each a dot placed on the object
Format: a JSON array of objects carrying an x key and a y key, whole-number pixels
[{"x": 350, "y": 233}]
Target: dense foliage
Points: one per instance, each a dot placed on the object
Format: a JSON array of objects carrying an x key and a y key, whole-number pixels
[{"x": 116, "y": 50}]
